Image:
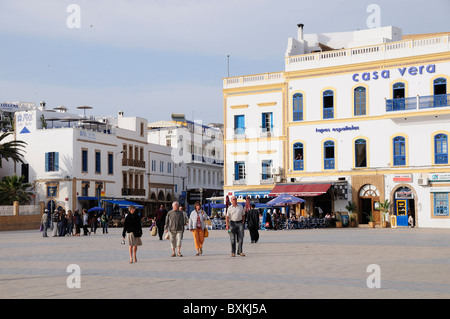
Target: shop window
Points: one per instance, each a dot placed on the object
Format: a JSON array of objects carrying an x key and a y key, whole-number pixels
[
  {"x": 297, "y": 104},
  {"x": 399, "y": 151},
  {"x": 328, "y": 104},
  {"x": 360, "y": 101},
  {"x": 441, "y": 149},
  {"x": 329, "y": 159},
  {"x": 298, "y": 157},
  {"x": 440, "y": 204},
  {"x": 360, "y": 153}
]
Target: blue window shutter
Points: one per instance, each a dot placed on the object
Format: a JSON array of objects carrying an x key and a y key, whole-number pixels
[
  {"x": 271, "y": 120},
  {"x": 46, "y": 162},
  {"x": 56, "y": 161}
]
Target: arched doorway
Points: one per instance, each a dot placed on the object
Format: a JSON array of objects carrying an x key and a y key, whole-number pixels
[
  {"x": 404, "y": 205},
  {"x": 368, "y": 195}
]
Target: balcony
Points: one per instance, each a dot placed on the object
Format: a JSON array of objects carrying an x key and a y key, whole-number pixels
[
  {"x": 417, "y": 102},
  {"x": 205, "y": 159},
  {"x": 133, "y": 163},
  {"x": 133, "y": 192}
]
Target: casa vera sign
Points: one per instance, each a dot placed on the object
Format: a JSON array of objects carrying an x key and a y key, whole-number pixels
[{"x": 386, "y": 74}]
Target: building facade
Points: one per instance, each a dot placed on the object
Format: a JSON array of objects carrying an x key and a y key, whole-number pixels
[{"x": 357, "y": 116}]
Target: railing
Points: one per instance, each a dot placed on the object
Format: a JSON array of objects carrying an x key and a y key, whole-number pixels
[
  {"x": 257, "y": 79},
  {"x": 418, "y": 102},
  {"x": 369, "y": 53},
  {"x": 298, "y": 165},
  {"x": 329, "y": 163},
  {"x": 133, "y": 191},
  {"x": 206, "y": 159},
  {"x": 133, "y": 162}
]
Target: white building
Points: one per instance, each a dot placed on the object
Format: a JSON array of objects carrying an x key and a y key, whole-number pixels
[
  {"x": 74, "y": 160},
  {"x": 197, "y": 152},
  {"x": 357, "y": 116}
]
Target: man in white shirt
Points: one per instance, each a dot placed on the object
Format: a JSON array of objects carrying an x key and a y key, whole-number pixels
[{"x": 235, "y": 219}]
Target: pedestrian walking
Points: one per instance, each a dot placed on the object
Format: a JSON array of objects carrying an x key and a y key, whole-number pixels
[
  {"x": 253, "y": 224},
  {"x": 78, "y": 222},
  {"x": 85, "y": 223},
  {"x": 235, "y": 219},
  {"x": 132, "y": 229},
  {"x": 104, "y": 220},
  {"x": 197, "y": 227},
  {"x": 55, "y": 219},
  {"x": 69, "y": 217},
  {"x": 44, "y": 223},
  {"x": 174, "y": 225},
  {"x": 161, "y": 214}
]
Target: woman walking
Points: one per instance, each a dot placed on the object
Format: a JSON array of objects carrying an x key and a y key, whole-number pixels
[
  {"x": 133, "y": 230},
  {"x": 197, "y": 227}
]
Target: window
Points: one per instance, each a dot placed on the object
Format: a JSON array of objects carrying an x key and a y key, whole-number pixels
[
  {"x": 169, "y": 167},
  {"x": 360, "y": 153},
  {"x": 239, "y": 124},
  {"x": 328, "y": 104},
  {"x": 399, "y": 151},
  {"x": 98, "y": 162},
  {"x": 398, "y": 93},
  {"x": 84, "y": 161},
  {"x": 297, "y": 105},
  {"x": 298, "y": 157},
  {"x": 329, "y": 162},
  {"x": 440, "y": 204},
  {"x": 153, "y": 165},
  {"x": 441, "y": 149},
  {"x": 440, "y": 92},
  {"x": 110, "y": 163},
  {"x": 161, "y": 166},
  {"x": 266, "y": 169},
  {"x": 239, "y": 170},
  {"x": 360, "y": 101},
  {"x": 52, "y": 162},
  {"x": 267, "y": 122}
]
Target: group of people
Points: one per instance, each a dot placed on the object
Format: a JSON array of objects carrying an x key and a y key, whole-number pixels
[
  {"x": 70, "y": 223},
  {"x": 171, "y": 225}
]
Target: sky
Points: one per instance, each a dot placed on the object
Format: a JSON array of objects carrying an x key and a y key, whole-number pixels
[{"x": 152, "y": 58}]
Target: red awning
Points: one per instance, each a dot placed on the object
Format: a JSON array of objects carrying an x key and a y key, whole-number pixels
[{"x": 301, "y": 190}]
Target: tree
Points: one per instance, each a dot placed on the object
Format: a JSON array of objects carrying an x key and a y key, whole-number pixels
[
  {"x": 12, "y": 149},
  {"x": 12, "y": 188}
]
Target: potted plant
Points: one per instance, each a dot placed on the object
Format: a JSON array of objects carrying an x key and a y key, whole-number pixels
[
  {"x": 351, "y": 208},
  {"x": 384, "y": 208},
  {"x": 338, "y": 220},
  {"x": 371, "y": 221}
]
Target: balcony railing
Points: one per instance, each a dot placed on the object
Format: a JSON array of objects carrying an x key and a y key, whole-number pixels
[
  {"x": 133, "y": 162},
  {"x": 133, "y": 192},
  {"x": 418, "y": 102},
  {"x": 298, "y": 165},
  {"x": 329, "y": 163}
]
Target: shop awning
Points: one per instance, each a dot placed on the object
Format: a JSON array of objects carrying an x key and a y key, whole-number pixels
[
  {"x": 300, "y": 190},
  {"x": 123, "y": 203}
]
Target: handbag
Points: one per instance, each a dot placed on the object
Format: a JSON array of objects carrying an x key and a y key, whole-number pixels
[
  {"x": 206, "y": 233},
  {"x": 167, "y": 235},
  {"x": 154, "y": 229}
]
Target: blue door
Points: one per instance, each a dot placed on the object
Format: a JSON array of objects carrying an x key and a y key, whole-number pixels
[{"x": 401, "y": 210}]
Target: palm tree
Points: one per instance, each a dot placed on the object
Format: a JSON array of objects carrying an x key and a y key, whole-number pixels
[
  {"x": 11, "y": 150},
  {"x": 12, "y": 188}
]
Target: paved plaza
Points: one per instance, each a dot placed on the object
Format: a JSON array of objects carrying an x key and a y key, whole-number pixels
[{"x": 288, "y": 264}]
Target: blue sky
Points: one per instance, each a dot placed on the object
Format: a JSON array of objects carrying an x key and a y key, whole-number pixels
[{"x": 151, "y": 58}]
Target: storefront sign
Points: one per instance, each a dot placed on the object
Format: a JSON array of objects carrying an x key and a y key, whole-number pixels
[
  {"x": 441, "y": 177},
  {"x": 402, "y": 178},
  {"x": 338, "y": 129},
  {"x": 404, "y": 194},
  {"x": 439, "y": 189},
  {"x": 386, "y": 74}
]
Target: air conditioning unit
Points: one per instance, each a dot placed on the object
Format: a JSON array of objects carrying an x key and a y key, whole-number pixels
[
  {"x": 423, "y": 181},
  {"x": 276, "y": 170},
  {"x": 277, "y": 179}
]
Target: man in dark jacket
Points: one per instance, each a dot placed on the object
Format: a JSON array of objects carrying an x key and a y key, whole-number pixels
[
  {"x": 161, "y": 220},
  {"x": 253, "y": 224}
]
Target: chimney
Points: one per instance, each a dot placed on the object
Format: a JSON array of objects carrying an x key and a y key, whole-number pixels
[{"x": 300, "y": 31}]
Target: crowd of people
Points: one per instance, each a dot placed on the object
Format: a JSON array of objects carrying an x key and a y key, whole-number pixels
[{"x": 70, "y": 223}]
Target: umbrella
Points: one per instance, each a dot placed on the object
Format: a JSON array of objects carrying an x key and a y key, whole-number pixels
[
  {"x": 284, "y": 199},
  {"x": 95, "y": 209}
]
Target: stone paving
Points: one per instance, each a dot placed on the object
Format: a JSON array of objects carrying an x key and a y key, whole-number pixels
[{"x": 289, "y": 264}]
